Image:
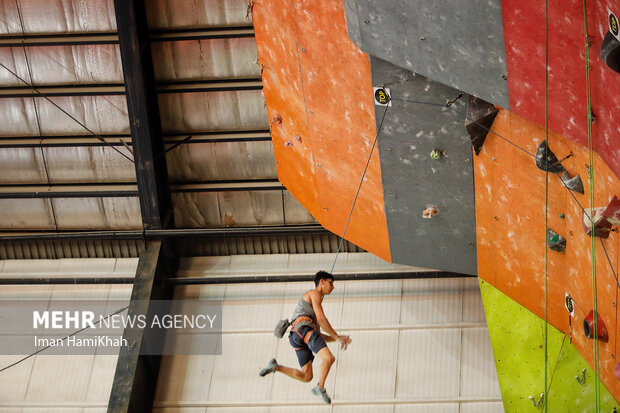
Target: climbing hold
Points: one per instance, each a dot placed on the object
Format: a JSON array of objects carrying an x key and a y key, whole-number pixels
[
  {"x": 551, "y": 162},
  {"x": 582, "y": 379},
  {"x": 588, "y": 327},
  {"x": 562, "y": 216},
  {"x": 572, "y": 183},
  {"x": 555, "y": 241},
  {"x": 545, "y": 160},
  {"x": 601, "y": 223},
  {"x": 610, "y": 49},
  {"x": 540, "y": 400},
  {"x": 479, "y": 119},
  {"x": 276, "y": 119},
  {"x": 437, "y": 153},
  {"x": 298, "y": 138},
  {"x": 430, "y": 212},
  {"x": 612, "y": 213},
  {"x": 288, "y": 143},
  {"x": 569, "y": 304},
  {"x": 617, "y": 371}
]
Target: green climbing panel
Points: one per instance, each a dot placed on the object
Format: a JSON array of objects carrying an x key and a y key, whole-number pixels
[{"x": 518, "y": 338}]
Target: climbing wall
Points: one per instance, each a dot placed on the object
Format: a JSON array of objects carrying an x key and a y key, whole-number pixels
[
  {"x": 518, "y": 348},
  {"x": 319, "y": 93},
  {"x": 510, "y": 215}
]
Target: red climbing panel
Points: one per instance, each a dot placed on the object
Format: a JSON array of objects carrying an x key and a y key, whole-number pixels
[{"x": 524, "y": 34}]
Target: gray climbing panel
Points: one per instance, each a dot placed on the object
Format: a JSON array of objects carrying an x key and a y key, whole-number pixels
[
  {"x": 459, "y": 45},
  {"x": 413, "y": 180}
]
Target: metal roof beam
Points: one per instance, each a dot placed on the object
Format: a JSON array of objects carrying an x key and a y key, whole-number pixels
[
  {"x": 222, "y": 85},
  {"x": 135, "y": 379},
  {"x": 137, "y": 368},
  {"x": 270, "y": 230},
  {"x": 117, "y": 140},
  {"x": 103, "y": 190},
  {"x": 203, "y": 33},
  {"x": 59, "y": 39},
  {"x": 143, "y": 110},
  {"x": 252, "y": 279}
]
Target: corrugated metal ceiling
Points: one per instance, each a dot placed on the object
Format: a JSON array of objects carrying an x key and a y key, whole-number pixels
[{"x": 208, "y": 75}]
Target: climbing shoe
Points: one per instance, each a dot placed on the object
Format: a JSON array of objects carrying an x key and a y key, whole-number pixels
[
  {"x": 321, "y": 392},
  {"x": 271, "y": 367}
]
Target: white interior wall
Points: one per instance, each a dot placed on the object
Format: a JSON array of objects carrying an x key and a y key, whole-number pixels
[
  {"x": 418, "y": 345},
  {"x": 59, "y": 383}
]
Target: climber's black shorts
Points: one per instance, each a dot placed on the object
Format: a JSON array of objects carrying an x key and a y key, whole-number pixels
[{"x": 304, "y": 351}]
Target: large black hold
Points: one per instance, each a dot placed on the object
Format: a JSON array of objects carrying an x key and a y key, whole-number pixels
[
  {"x": 546, "y": 160},
  {"x": 480, "y": 117}
]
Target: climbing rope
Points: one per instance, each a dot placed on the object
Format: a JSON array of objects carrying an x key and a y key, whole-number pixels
[
  {"x": 120, "y": 310},
  {"x": 360, "y": 186},
  {"x": 546, "y": 400},
  {"x": 593, "y": 231}
]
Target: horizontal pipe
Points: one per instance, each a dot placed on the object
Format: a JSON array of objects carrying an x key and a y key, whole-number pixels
[
  {"x": 104, "y": 190},
  {"x": 202, "y": 33},
  {"x": 171, "y": 233},
  {"x": 62, "y": 90},
  {"x": 65, "y": 280},
  {"x": 119, "y": 89},
  {"x": 222, "y": 85},
  {"x": 115, "y": 140},
  {"x": 251, "y": 279},
  {"x": 58, "y": 39}
]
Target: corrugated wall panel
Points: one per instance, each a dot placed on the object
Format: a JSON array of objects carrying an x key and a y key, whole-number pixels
[
  {"x": 371, "y": 303},
  {"x": 428, "y": 364},
  {"x": 431, "y": 301},
  {"x": 213, "y": 111},
  {"x": 190, "y": 14},
  {"x": 367, "y": 370},
  {"x": 239, "y": 353},
  {"x": 70, "y": 376},
  {"x": 58, "y": 16},
  {"x": 101, "y": 114},
  {"x": 478, "y": 374},
  {"x": 427, "y": 408},
  {"x": 59, "y": 65},
  {"x": 48, "y": 383},
  {"x": 62, "y": 249},
  {"x": 222, "y": 161},
  {"x": 490, "y": 407},
  {"x": 70, "y": 213},
  {"x": 65, "y": 165},
  {"x": 25, "y": 213},
  {"x": 227, "y": 209},
  {"x": 205, "y": 59}
]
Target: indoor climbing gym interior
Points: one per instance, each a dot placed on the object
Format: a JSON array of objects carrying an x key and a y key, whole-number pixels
[{"x": 309, "y": 206}]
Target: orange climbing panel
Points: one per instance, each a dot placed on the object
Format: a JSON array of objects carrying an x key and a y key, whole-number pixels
[
  {"x": 318, "y": 82},
  {"x": 510, "y": 215}
]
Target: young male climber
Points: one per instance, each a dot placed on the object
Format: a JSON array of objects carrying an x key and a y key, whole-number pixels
[{"x": 306, "y": 338}]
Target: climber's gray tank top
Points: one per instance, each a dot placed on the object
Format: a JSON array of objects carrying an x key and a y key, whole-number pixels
[{"x": 304, "y": 308}]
